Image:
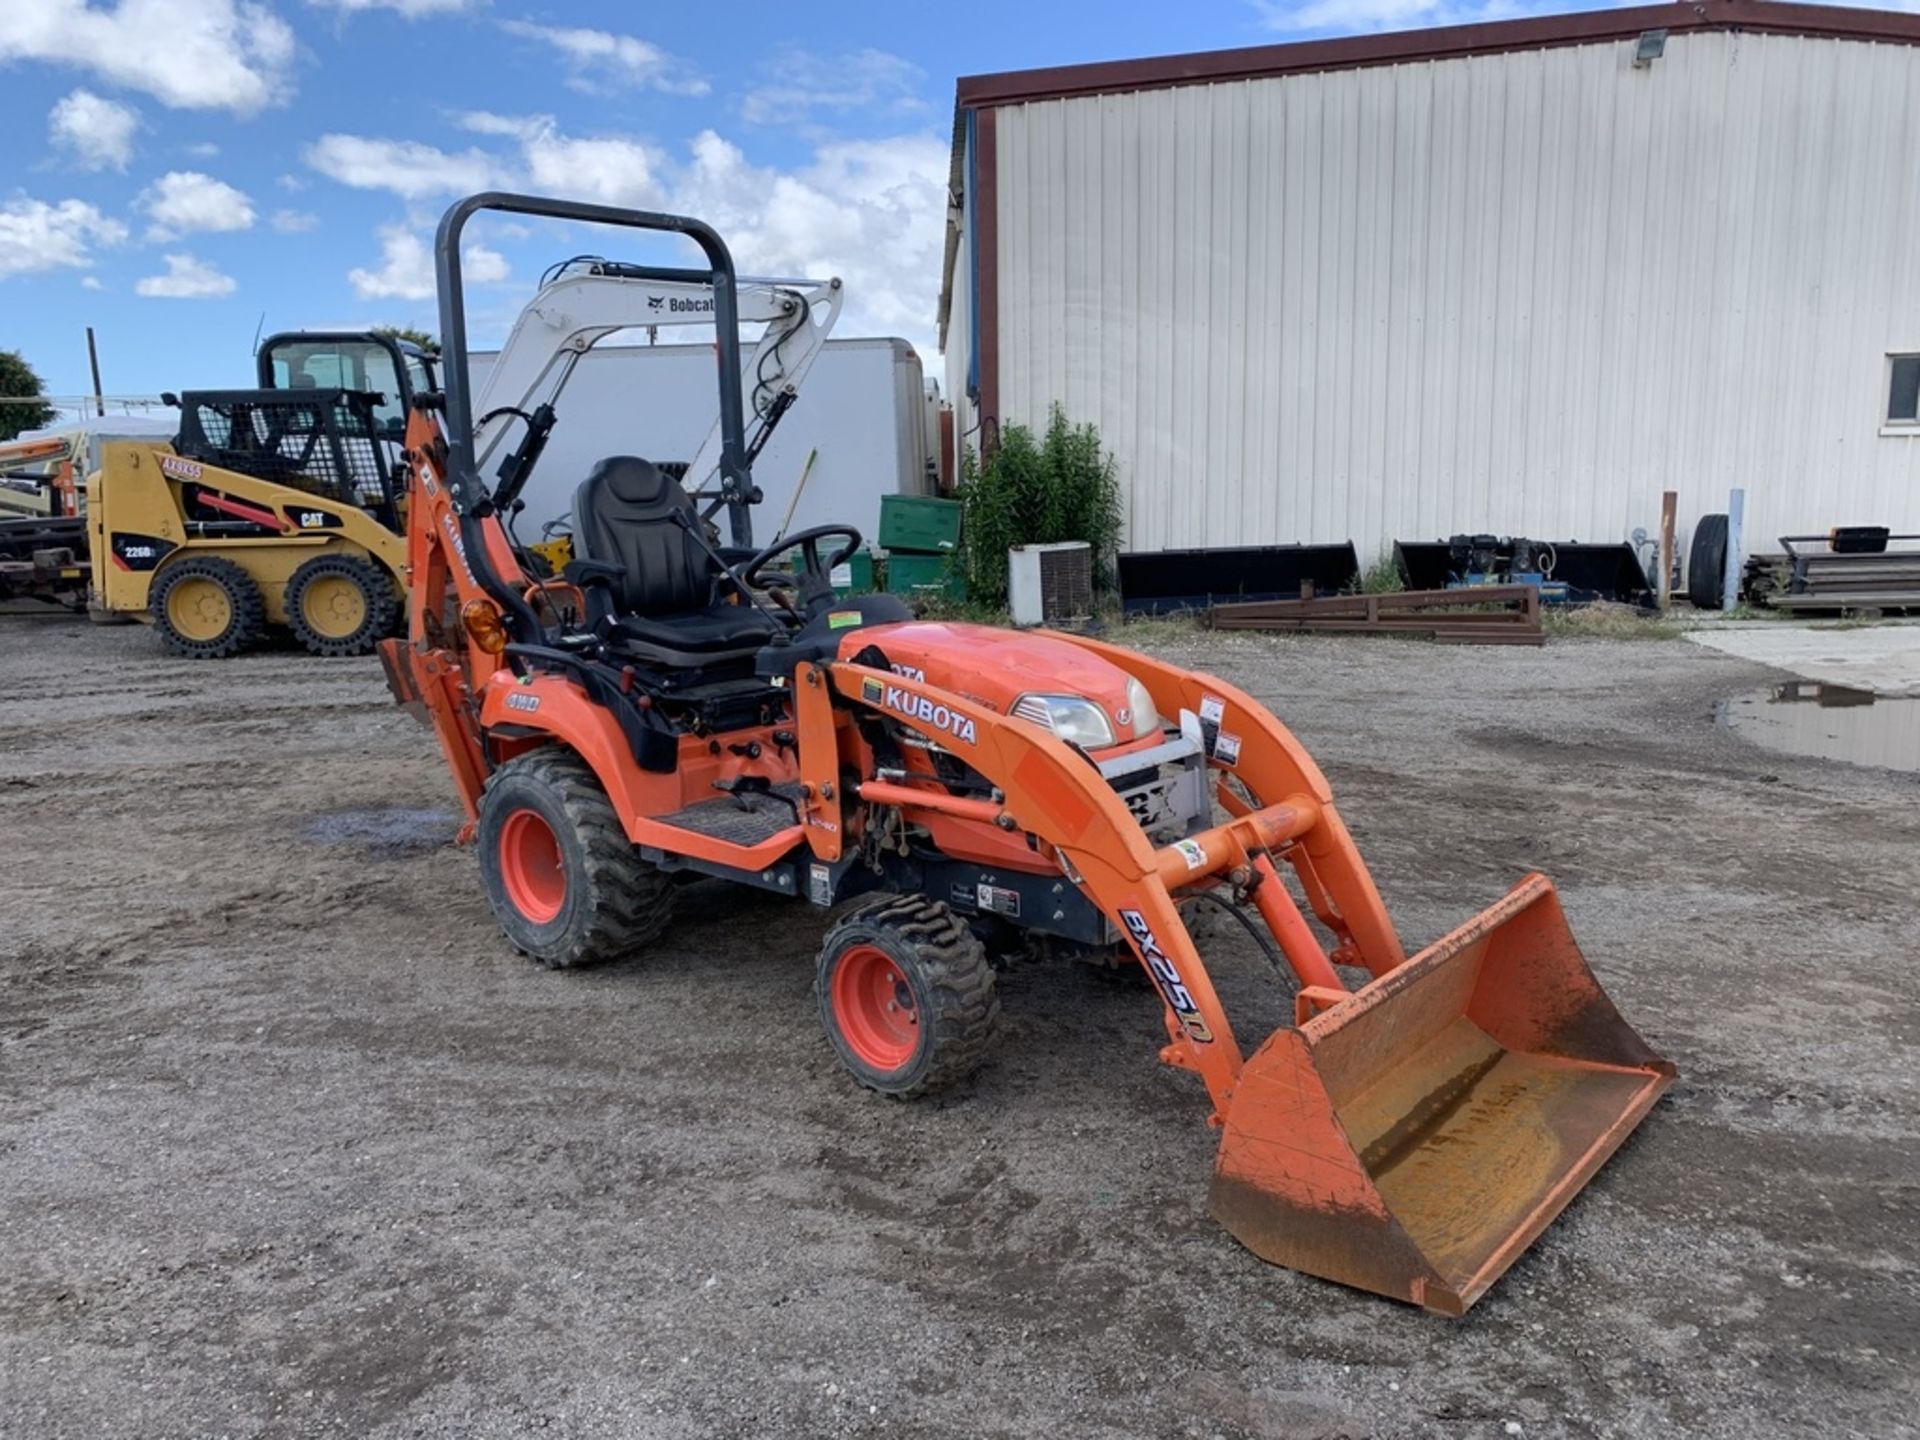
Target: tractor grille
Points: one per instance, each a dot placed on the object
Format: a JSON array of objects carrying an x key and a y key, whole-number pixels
[{"x": 1165, "y": 789}]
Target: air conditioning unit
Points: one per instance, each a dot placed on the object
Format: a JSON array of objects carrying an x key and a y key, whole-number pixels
[{"x": 1047, "y": 584}]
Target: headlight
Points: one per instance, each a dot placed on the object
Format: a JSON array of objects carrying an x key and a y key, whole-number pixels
[
  {"x": 1070, "y": 717},
  {"x": 1146, "y": 718}
]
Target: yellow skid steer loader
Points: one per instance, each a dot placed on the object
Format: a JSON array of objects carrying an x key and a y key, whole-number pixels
[{"x": 271, "y": 507}]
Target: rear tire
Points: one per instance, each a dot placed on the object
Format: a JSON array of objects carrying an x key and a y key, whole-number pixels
[
  {"x": 207, "y": 608},
  {"x": 1707, "y": 562},
  {"x": 341, "y": 605},
  {"x": 906, "y": 995},
  {"x": 565, "y": 883}
]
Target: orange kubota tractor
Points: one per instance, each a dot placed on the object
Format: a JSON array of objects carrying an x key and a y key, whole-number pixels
[{"x": 647, "y": 714}]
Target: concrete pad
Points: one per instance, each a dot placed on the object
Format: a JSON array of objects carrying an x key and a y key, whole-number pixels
[{"x": 1882, "y": 658}]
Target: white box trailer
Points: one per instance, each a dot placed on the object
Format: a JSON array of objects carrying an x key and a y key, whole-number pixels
[{"x": 864, "y": 409}]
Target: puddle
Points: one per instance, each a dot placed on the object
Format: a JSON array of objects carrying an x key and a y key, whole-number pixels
[
  {"x": 384, "y": 834},
  {"x": 1830, "y": 722}
]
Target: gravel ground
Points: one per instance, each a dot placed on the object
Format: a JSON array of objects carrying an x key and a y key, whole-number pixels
[{"x": 291, "y": 1143}]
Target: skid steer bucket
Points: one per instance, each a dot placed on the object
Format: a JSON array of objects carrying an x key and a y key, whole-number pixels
[{"x": 1415, "y": 1137}]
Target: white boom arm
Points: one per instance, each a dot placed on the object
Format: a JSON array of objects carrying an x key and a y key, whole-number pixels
[{"x": 581, "y": 308}]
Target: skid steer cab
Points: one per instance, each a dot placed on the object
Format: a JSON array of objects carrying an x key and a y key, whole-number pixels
[{"x": 662, "y": 709}]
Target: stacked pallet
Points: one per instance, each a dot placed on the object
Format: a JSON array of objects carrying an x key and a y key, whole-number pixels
[
  {"x": 1822, "y": 575},
  {"x": 1471, "y": 615}
]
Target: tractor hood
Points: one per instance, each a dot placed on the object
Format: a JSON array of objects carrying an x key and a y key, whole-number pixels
[{"x": 995, "y": 667}]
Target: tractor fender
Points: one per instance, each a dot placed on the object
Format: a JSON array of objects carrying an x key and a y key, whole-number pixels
[{"x": 560, "y": 708}]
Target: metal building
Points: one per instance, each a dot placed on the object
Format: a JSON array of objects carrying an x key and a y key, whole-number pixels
[{"x": 1517, "y": 277}]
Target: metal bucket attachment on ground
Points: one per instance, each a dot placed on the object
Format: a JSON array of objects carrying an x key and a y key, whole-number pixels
[{"x": 1414, "y": 1139}]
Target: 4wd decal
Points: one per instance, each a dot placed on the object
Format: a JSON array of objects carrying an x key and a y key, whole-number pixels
[
  {"x": 1166, "y": 976},
  {"x": 522, "y": 700},
  {"x": 930, "y": 712}
]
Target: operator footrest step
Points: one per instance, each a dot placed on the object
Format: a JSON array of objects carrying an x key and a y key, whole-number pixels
[{"x": 744, "y": 819}]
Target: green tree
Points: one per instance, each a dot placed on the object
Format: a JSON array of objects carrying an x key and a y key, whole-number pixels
[
  {"x": 406, "y": 332},
  {"x": 19, "y": 381}
]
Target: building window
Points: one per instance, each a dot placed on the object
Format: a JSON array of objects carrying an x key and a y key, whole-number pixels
[{"x": 1903, "y": 392}]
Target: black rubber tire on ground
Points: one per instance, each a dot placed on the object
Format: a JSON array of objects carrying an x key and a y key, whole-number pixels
[
  {"x": 1707, "y": 562},
  {"x": 941, "y": 985},
  {"x": 245, "y": 609},
  {"x": 378, "y": 604},
  {"x": 601, "y": 900}
]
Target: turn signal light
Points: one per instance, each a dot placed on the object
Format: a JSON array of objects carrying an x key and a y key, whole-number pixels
[{"x": 481, "y": 620}]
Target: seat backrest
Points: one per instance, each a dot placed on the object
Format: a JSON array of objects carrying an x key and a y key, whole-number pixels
[{"x": 624, "y": 514}]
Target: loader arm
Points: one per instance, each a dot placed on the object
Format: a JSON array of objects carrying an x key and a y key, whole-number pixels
[{"x": 1054, "y": 795}]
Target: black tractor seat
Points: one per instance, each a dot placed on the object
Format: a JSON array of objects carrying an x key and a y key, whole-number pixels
[{"x": 672, "y": 603}]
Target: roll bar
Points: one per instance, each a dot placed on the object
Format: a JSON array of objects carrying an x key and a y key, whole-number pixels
[{"x": 463, "y": 476}]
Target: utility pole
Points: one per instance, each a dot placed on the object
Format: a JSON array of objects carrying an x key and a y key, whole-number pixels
[{"x": 93, "y": 359}]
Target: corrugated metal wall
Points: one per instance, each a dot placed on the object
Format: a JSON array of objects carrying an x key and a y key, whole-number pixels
[
  {"x": 958, "y": 351},
  {"x": 1522, "y": 293}
]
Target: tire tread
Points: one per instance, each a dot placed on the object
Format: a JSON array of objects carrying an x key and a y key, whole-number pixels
[
  {"x": 966, "y": 1010},
  {"x": 629, "y": 901}
]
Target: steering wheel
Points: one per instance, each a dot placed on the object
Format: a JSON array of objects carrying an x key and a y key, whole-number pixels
[{"x": 816, "y": 575}]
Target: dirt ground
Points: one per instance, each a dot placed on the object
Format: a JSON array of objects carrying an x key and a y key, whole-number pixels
[{"x": 291, "y": 1144}]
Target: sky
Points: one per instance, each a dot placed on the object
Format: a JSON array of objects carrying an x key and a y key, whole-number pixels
[{"x": 184, "y": 175}]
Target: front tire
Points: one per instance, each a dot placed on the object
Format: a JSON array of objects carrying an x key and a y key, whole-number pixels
[
  {"x": 341, "y": 605},
  {"x": 906, "y": 995},
  {"x": 566, "y": 885},
  {"x": 207, "y": 608}
]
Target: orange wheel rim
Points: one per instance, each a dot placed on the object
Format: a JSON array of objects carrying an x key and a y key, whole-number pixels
[
  {"x": 530, "y": 866},
  {"x": 874, "y": 1007}
]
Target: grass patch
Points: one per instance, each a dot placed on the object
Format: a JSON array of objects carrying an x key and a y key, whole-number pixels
[
  {"x": 1605, "y": 621},
  {"x": 1383, "y": 577},
  {"x": 1157, "y": 629}
]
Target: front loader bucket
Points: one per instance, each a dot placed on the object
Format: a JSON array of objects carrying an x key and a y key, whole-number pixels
[{"x": 1415, "y": 1138}]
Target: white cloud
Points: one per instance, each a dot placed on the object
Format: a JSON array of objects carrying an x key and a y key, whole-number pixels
[
  {"x": 485, "y": 122},
  {"x": 606, "y": 171},
  {"x": 36, "y": 236},
  {"x": 187, "y": 54},
  {"x": 600, "y": 59},
  {"x": 799, "y": 83},
  {"x": 294, "y": 222},
  {"x": 411, "y": 9},
  {"x": 406, "y": 268},
  {"x": 182, "y": 201},
  {"x": 97, "y": 133},
  {"x": 186, "y": 279},
  {"x": 869, "y": 211},
  {"x": 205, "y": 150},
  {"x": 91, "y": 282},
  {"x": 408, "y": 168},
  {"x": 1349, "y": 17}
]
